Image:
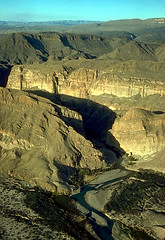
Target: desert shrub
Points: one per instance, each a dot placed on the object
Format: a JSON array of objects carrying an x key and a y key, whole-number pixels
[
  {"x": 132, "y": 196},
  {"x": 58, "y": 212},
  {"x": 78, "y": 178}
]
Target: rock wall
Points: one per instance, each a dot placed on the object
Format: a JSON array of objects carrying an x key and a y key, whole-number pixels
[
  {"x": 23, "y": 77},
  {"x": 83, "y": 82},
  {"x": 139, "y": 132},
  {"x": 86, "y": 82},
  {"x": 135, "y": 132}
]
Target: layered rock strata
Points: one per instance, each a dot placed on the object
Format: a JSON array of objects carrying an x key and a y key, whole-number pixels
[
  {"x": 87, "y": 82},
  {"x": 140, "y": 132},
  {"x": 23, "y": 77},
  {"x": 84, "y": 82}
]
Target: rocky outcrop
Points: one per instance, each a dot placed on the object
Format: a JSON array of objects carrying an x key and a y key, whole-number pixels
[
  {"x": 36, "y": 78},
  {"x": 84, "y": 82},
  {"x": 37, "y": 146},
  {"x": 140, "y": 132},
  {"x": 143, "y": 136}
]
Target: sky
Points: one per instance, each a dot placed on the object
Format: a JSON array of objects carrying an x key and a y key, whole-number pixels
[{"x": 95, "y": 10}]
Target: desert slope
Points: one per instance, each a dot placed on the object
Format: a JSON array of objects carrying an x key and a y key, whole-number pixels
[{"x": 38, "y": 147}]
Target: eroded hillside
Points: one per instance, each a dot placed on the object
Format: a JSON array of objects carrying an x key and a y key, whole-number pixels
[{"x": 39, "y": 144}]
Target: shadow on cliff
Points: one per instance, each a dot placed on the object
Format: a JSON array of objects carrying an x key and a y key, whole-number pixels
[
  {"x": 97, "y": 119},
  {"x": 4, "y": 74}
]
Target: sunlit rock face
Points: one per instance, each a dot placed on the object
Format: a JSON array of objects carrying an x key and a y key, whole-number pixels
[
  {"x": 23, "y": 77},
  {"x": 140, "y": 132},
  {"x": 86, "y": 82},
  {"x": 82, "y": 82}
]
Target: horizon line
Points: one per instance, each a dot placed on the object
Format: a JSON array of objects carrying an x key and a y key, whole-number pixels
[{"x": 82, "y": 20}]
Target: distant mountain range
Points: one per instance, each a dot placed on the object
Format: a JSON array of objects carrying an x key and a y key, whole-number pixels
[
  {"x": 113, "y": 25},
  {"x": 47, "y": 23},
  {"x": 148, "y": 30},
  {"x": 122, "y": 40}
]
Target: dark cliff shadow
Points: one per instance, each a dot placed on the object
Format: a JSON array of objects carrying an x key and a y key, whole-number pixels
[
  {"x": 76, "y": 123},
  {"x": 5, "y": 70},
  {"x": 97, "y": 119}
]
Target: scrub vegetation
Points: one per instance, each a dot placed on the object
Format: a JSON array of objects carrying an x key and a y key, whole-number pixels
[{"x": 145, "y": 190}]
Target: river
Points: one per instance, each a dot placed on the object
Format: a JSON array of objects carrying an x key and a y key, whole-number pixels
[{"x": 103, "y": 231}]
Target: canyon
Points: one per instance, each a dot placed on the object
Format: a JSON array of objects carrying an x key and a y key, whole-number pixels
[
  {"x": 80, "y": 109},
  {"x": 92, "y": 83}
]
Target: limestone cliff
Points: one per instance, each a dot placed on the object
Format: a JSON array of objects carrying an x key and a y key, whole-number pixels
[
  {"x": 131, "y": 80},
  {"x": 87, "y": 82},
  {"x": 37, "y": 146},
  {"x": 140, "y": 132},
  {"x": 121, "y": 79},
  {"x": 29, "y": 77}
]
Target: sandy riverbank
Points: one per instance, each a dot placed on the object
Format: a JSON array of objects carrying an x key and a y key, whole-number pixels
[{"x": 105, "y": 183}]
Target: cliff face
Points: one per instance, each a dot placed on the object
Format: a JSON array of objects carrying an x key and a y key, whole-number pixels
[
  {"x": 84, "y": 82},
  {"x": 135, "y": 134},
  {"x": 23, "y": 77},
  {"x": 140, "y": 132}
]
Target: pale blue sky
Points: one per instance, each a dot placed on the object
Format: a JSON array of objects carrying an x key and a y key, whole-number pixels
[{"x": 103, "y": 10}]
